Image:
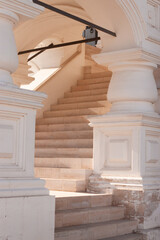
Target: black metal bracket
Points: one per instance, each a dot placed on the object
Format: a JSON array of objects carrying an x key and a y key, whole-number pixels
[
  {"x": 57, "y": 10},
  {"x": 51, "y": 46}
]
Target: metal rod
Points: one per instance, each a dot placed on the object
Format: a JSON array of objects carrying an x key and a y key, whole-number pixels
[
  {"x": 59, "y": 45},
  {"x": 45, "y": 5},
  {"x": 35, "y": 55}
]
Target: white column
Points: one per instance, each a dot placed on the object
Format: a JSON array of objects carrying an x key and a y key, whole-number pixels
[
  {"x": 127, "y": 139},
  {"x": 26, "y": 209},
  {"x": 8, "y": 52},
  {"x": 132, "y": 87}
]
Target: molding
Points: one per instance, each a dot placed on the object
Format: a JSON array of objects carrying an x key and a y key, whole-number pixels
[
  {"x": 21, "y": 98},
  {"x": 108, "y": 58},
  {"x": 23, "y": 7}
]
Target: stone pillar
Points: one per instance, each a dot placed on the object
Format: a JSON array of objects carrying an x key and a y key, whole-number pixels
[
  {"x": 127, "y": 139},
  {"x": 26, "y": 209}
]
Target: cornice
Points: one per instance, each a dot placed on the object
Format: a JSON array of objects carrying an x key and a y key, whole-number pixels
[{"x": 22, "y": 7}]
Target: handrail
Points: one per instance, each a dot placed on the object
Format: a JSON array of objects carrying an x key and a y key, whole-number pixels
[
  {"x": 66, "y": 14},
  {"x": 35, "y": 55},
  {"x": 59, "y": 45}
]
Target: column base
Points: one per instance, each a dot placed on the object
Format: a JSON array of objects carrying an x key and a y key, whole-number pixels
[{"x": 27, "y": 218}]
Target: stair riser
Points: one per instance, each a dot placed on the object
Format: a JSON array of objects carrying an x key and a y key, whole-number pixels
[
  {"x": 81, "y": 143},
  {"x": 80, "y": 202},
  {"x": 97, "y": 232},
  {"x": 64, "y": 113},
  {"x": 61, "y": 120},
  {"x": 62, "y": 127},
  {"x": 86, "y": 98},
  {"x": 97, "y": 75},
  {"x": 78, "y": 153},
  {"x": 93, "y": 81},
  {"x": 72, "y": 218},
  {"x": 85, "y": 93},
  {"x": 65, "y": 135},
  {"x": 68, "y": 186},
  {"x": 90, "y": 87},
  {"x": 62, "y": 173},
  {"x": 76, "y": 106},
  {"x": 72, "y": 163}
]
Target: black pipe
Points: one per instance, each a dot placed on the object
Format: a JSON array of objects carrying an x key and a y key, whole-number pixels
[
  {"x": 59, "y": 45},
  {"x": 57, "y": 10},
  {"x": 35, "y": 55}
]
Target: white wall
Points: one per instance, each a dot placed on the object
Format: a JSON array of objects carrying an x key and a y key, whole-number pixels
[{"x": 62, "y": 81}]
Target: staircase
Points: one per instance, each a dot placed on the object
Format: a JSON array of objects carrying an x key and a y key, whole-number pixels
[
  {"x": 64, "y": 141},
  {"x": 63, "y": 157},
  {"x": 92, "y": 217}
]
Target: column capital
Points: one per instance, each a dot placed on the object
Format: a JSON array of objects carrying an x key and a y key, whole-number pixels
[{"x": 133, "y": 54}]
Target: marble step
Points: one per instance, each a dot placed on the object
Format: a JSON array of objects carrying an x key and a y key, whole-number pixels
[
  {"x": 93, "y": 81},
  {"x": 68, "y": 185},
  {"x": 63, "y": 127},
  {"x": 90, "y": 87},
  {"x": 96, "y": 231},
  {"x": 72, "y": 163},
  {"x": 64, "y": 152},
  {"x": 66, "y": 218},
  {"x": 62, "y": 120},
  {"x": 86, "y": 93},
  {"x": 72, "y": 112},
  {"x": 85, "y": 98},
  {"x": 83, "y": 201},
  {"x": 97, "y": 75},
  {"x": 133, "y": 236},
  {"x": 78, "y": 105},
  {"x": 62, "y": 173},
  {"x": 87, "y": 134},
  {"x": 64, "y": 143}
]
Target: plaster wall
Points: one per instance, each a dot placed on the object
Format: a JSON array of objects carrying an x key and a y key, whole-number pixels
[{"x": 62, "y": 81}]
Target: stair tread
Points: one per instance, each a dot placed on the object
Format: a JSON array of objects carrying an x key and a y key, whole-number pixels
[
  {"x": 89, "y": 209},
  {"x": 132, "y": 236},
  {"x": 95, "y": 224},
  {"x": 93, "y": 81},
  {"x": 86, "y": 97},
  {"x": 82, "y": 105},
  {"x": 92, "y": 92}
]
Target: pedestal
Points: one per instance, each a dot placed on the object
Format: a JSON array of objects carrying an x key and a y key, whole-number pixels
[{"x": 26, "y": 209}]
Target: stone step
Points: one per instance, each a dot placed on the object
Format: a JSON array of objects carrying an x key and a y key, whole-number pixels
[
  {"x": 133, "y": 236},
  {"x": 72, "y": 112},
  {"x": 83, "y": 201},
  {"x": 64, "y": 152},
  {"x": 96, "y": 231},
  {"x": 77, "y": 105},
  {"x": 68, "y": 185},
  {"x": 93, "y": 81},
  {"x": 88, "y": 134},
  {"x": 86, "y": 93},
  {"x": 72, "y": 163},
  {"x": 63, "y": 127},
  {"x": 62, "y": 173},
  {"x": 66, "y": 218},
  {"x": 64, "y": 143},
  {"x": 61, "y": 120},
  {"x": 86, "y": 98},
  {"x": 90, "y": 87},
  {"x": 98, "y": 75}
]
